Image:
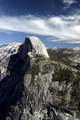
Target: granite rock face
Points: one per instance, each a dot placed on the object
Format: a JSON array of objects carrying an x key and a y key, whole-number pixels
[
  {"x": 31, "y": 44},
  {"x": 38, "y": 46},
  {"x": 5, "y": 52},
  {"x": 37, "y": 88}
]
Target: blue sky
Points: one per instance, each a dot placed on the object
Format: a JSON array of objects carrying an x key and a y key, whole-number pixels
[{"x": 55, "y": 22}]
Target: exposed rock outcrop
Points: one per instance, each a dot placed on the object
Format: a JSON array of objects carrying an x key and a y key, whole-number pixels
[
  {"x": 36, "y": 88},
  {"x": 31, "y": 44},
  {"x": 38, "y": 46}
]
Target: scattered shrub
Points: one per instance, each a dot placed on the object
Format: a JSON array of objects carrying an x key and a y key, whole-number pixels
[
  {"x": 63, "y": 74},
  {"x": 34, "y": 70}
]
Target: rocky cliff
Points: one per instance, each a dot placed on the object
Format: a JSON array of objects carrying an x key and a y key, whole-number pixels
[{"x": 34, "y": 87}]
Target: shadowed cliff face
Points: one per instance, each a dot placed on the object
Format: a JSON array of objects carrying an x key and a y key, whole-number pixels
[
  {"x": 25, "y": 48},
  {"x": 11, "y": 86}
]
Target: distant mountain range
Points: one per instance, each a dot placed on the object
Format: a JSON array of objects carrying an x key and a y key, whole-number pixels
[{"x": 68, "y": 56}]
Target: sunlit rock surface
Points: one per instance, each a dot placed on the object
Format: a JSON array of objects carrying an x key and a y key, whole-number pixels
[{"x": 38, "y": 46}]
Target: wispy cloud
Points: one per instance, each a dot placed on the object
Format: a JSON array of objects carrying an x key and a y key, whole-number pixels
[
  {"x": 68, "y": 3},
  {"x": 60, "y": 28}
]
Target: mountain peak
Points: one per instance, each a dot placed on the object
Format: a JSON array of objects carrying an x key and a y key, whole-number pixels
[
  {"x": 32, "y": 44},
  {"x": 38, "y": 46}
]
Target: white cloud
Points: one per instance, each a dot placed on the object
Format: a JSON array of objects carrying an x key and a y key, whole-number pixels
[
  {"x": 68, "y": 3},
  {"x": 74, "y": 42},
  {"x": 60, "y": 28}
]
